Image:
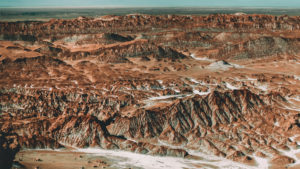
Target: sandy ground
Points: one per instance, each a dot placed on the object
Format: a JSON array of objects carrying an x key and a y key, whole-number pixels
[
  {"x": 112, "y": 159},
  {"x": 49, "y": 159}
]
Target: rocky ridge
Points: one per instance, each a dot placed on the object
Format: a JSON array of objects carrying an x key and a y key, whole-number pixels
[{"x": 224, "y": 85}]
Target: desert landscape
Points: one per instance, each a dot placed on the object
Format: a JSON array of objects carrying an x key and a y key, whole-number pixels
[{"x": 151, "y": 91}]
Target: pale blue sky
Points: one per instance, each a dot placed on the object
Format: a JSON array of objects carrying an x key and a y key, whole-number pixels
[{"x": 151, "y": 3}]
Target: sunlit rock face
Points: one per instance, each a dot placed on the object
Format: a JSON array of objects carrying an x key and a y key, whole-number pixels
[{"x": 216, "y": 87}]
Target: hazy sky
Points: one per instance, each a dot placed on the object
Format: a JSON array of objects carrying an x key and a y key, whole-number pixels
[{"x": 151, "y": 3}]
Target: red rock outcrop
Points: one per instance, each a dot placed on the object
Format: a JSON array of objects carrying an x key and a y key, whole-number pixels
[{"x": 225, "y": 85}]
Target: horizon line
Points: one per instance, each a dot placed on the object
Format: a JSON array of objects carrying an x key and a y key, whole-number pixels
[{"x": 111, "y": 7}]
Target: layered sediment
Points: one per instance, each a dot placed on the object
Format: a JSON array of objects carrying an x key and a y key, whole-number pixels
[{"x": 223, "y": 85}]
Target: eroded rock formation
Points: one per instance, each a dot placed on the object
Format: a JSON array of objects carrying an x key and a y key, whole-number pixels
[{"x": 224, "y": 85}]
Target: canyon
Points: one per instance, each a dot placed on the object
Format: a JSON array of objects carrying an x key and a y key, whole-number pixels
[{"x": 151, "y": 91}]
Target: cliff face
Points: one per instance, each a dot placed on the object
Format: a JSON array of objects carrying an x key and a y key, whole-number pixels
[
  {"x": 217, "y": 36},
  {"x": 224, "y": 85},
  {"x": 140, "y": 22}
]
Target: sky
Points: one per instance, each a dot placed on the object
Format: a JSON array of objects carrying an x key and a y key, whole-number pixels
[{"x": 151, "y": 3}]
